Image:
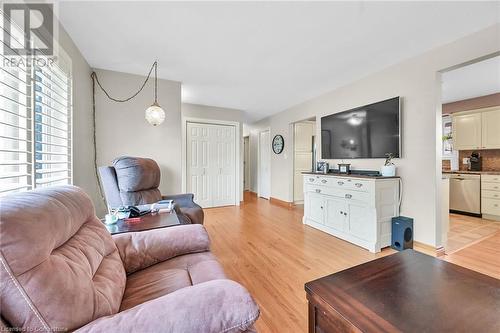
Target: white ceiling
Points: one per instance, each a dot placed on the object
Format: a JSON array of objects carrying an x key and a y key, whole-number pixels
[
  {"x": 478, "y": 79},
  {"x": 263, "y": 57}
]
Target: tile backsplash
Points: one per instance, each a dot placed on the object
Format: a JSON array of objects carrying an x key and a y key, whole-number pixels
[{"x": 490, "y": 159}]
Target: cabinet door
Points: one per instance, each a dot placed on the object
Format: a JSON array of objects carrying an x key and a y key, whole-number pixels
[
  {"x": 491, "y": 129},
  {"x": 315, "y": 203},
  {"x": 336, "y": 212},
  {"x": 361, "y": 221},
  {"x": 467, "y": 131}
]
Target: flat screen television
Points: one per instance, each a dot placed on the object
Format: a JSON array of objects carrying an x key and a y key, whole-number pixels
[{"x": 370, "y": 131}]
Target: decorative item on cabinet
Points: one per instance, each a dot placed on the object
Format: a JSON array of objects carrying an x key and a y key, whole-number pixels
[
  {"x": 344, "y": 168},
  {"x": 388, "y": 169},
  {"x": 322, "y": 167}
]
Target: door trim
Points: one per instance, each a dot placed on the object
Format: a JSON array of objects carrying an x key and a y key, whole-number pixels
[
  {"x": 259, "y": 180},
  {"x": 238, "y": 142}
]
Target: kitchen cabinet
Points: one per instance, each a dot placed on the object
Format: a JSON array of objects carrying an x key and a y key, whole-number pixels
[
  {"x": 490, "y": 196},
  {"x": 467, "y": 131},
  {"x": 358, "y": 210},
  {"x": 477, "y": 129},
  {"x": 490, "y": 129}
]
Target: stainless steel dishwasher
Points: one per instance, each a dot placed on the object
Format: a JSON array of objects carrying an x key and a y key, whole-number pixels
[{"x": 465, "y": 193}]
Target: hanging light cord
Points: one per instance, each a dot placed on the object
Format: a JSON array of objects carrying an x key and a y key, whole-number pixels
[{"x": 95, "y": 80}]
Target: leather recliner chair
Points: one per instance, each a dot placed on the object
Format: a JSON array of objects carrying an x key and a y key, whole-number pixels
[
  {"x": 132, "y": 181},
  {"x": 61, "y": 270}
]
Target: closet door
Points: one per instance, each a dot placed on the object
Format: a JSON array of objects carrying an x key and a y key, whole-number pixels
[
  {"x": 199, "y": 166},
  {"x": 224, "y": 161},
  {"x": 211, "y": 164}
]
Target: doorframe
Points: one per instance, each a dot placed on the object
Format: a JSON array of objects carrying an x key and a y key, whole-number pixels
[
  {"x": 238, "y": 142},
  {"x": 266, "y": 129},
  {"x": 247, "y": 159}
]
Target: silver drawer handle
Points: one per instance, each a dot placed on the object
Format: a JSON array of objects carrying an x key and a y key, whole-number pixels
[
  {"x": 318, "y": 190},
  {"x": 358, "y": 184},
  {"x": 348, "y": 196},
  {"x": 496, "y": 205},
  {"x": 495, "y": 187},
  {"x": 311, "y": 179},
  {"x": 340, "y": 183},
  {"x": 323, "y": 181}
]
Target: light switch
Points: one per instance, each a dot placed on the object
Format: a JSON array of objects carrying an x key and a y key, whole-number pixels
[{"x": 465, "y": 160}]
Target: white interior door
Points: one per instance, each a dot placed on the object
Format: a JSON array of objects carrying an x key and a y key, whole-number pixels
[
  {"x": 224, "y": 156},
  {"x": 211, "y": 164},
  {"x": 198, "y": 163},
  {"x": 264, "y": 165},
  {"x": 246, "y": 163}
]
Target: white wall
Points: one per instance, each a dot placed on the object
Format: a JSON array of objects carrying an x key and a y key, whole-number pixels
[
  {"x": 417, "y": 81},
  {"x": 83, "y": 149},
  {"x": 224, "y": 114},
  {"x": 122, "y": 129}
]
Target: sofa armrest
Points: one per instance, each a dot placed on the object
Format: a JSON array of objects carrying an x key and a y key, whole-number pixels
[
  {"x": 139, "y": 250},
  {"x": 214, "y": 306},
  {"x": 185, "y": 199}
]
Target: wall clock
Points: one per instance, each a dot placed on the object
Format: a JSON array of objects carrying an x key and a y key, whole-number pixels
[{"x": 278, "y": 144}]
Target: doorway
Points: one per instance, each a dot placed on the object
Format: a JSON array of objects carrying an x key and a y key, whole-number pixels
[
  {"x": 211, "y": 163},
  {"x": 470, "y": 154},
  {"x": 246, "y": 163},
  {"x": 264, "y": 165},
  {"x": 304, "y": 155}
]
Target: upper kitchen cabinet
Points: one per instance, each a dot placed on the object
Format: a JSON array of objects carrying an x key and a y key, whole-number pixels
[
  {"x": 478, "y": 129},
  {"x": 491, "y": 129},
  {"x": 467, "y": 131}
]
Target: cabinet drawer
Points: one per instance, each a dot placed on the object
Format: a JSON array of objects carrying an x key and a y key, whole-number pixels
[
  {"x": 318, "y": 180},
  {"x": 490, "y": 186},
  {"x": 490, "y": 194},
  {"x": 352, "y": 184},
  {"x": 490, "y": 206},
  {"x": 490, "y": 178}
]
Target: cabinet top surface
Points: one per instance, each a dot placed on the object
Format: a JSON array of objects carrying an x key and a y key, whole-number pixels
[
  {"x": 347, "y": 175},
  {"x": 405, "y": 291},
  {"x": 474, "y": 172}
]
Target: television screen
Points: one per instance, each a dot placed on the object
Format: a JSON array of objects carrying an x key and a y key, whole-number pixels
[{"x": 370, "y": 131}]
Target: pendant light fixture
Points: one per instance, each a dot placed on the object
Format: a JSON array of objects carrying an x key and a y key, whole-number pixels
[{"x": 155, "y": 114}]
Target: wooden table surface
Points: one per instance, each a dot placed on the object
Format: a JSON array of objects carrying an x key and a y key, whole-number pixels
[
  {"x": 408, "y": 292},
  {"x": 147, "y": 222}
]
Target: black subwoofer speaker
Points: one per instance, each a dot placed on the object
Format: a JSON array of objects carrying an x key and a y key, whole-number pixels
[{"x": 402, "y": 233}]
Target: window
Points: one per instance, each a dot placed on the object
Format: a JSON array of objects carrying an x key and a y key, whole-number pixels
[{"x": 35, "y": 123}]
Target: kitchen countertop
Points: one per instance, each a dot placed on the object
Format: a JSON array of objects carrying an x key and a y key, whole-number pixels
[
  {"x": 474, "y": 172},
  {"x": 334, "y": 174}
]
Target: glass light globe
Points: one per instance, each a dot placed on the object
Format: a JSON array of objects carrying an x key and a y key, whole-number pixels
[{"x": 155, "y": 115}]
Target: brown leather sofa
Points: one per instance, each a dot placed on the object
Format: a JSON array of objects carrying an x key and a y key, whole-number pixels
[
  {"x": 60, "y": 270},
  {"x": 132, "y": 181}
]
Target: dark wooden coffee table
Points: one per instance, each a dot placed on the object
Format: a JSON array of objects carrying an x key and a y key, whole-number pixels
[
  {"x": 147, "y": 222},
  {"x": 404, "y": 292}
]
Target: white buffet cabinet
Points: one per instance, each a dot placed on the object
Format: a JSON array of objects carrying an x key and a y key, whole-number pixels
[{"x": 355, "y": 209}]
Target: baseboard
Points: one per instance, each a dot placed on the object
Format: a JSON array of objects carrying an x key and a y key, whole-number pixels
[
  {"x": 429, "y": 249},
  {"x": 281, "y": 203}
]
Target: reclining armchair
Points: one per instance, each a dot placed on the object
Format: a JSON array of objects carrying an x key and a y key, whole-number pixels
[
  {"x": 60, "y": 270},
  {"x": 134, "y": 181}
]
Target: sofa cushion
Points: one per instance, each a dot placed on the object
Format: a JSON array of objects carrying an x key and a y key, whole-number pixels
[
  {"x": 60, "y": 268},
  {"x": 168, "y": 276}
]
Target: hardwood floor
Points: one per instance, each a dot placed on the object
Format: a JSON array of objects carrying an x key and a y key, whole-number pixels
[
  {"x": 466, "y": 230},
  {"x": 482, "y": 256},
  {"x": 267, "y": 249}
]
